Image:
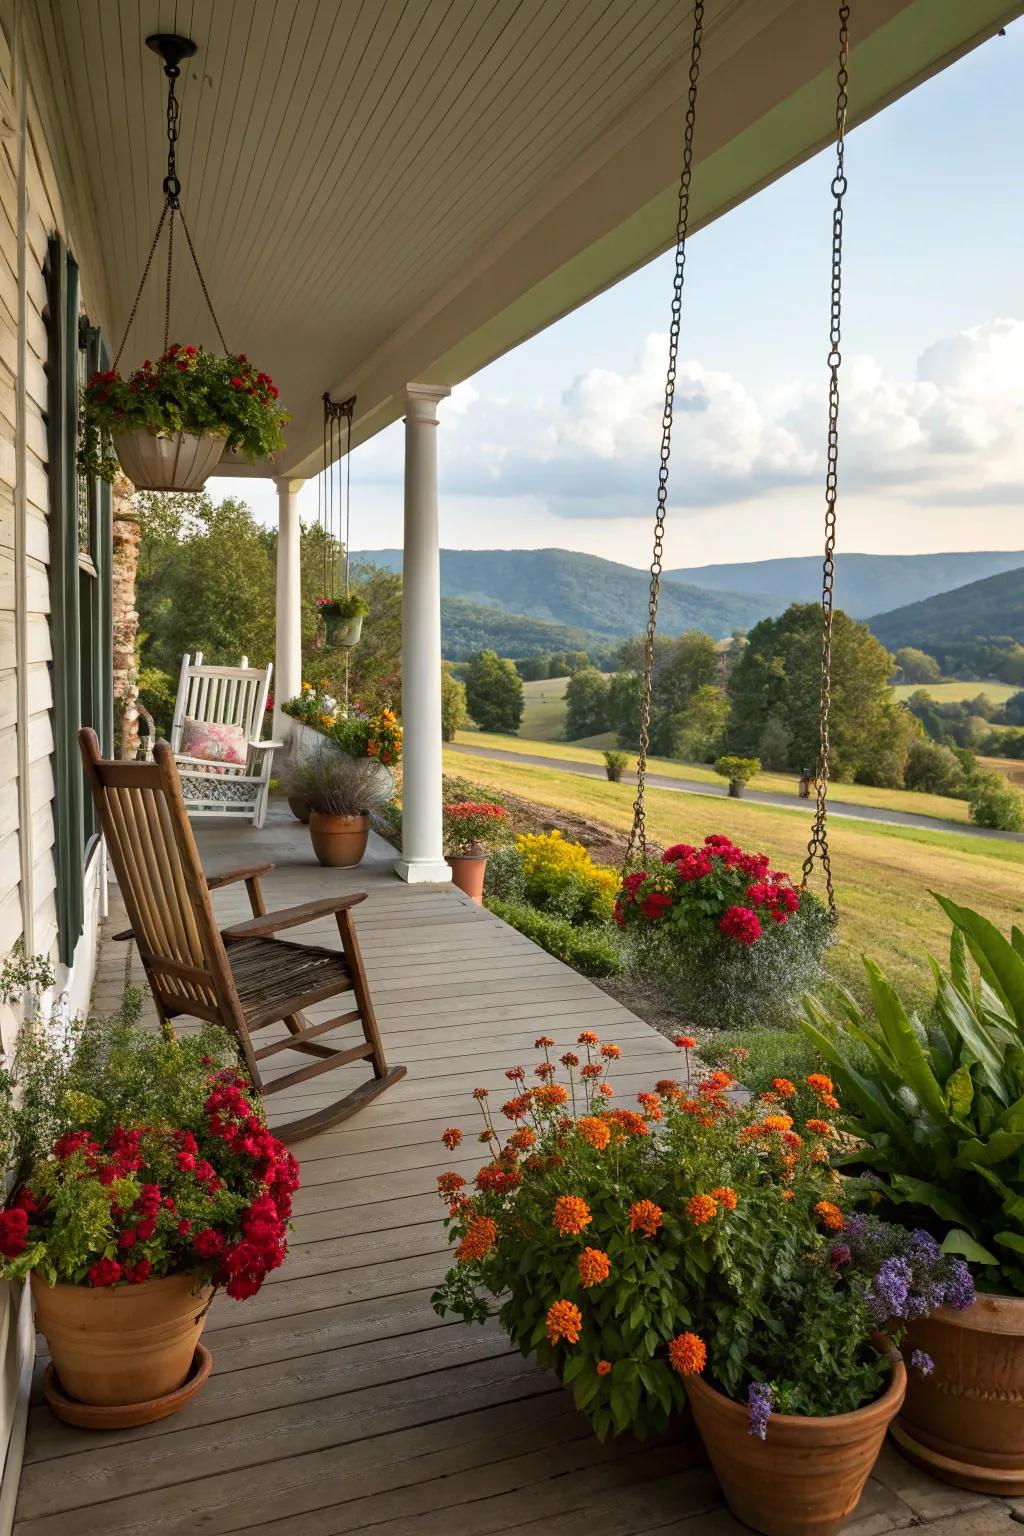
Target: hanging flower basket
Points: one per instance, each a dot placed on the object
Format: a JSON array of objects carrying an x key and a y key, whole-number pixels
[
  {"x": 343, "y": 619},
  {"x": 170, "y": 421}
]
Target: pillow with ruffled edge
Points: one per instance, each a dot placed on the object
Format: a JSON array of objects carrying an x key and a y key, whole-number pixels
[{"x": 213, "y": 743}]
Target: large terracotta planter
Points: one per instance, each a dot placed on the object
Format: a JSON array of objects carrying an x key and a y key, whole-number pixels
[
  {"x": 808, "y": 1475},
  {"x": 468, "y": 872},
  {"x": 180, "y": 462},
  {"x": 965, "y": 1421},
  {"x": 339, "y": 841},
  {"x": 299, "y": 809},
  {"x": 121, "y": 1344}
]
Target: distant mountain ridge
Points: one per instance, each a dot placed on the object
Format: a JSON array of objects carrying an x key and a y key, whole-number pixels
[
  {"x": 467, "y": 628},
  {"x": 993, "y": 607},
  {"x": 865, "y": 584}
]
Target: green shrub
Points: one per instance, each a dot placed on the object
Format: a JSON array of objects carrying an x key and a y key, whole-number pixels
[
  {"x": 738, "y": 770},
  {"x": 935, "y": 769},
  {"x": 591, "y": 949},
  {"x": 756, "y": 1056},
  {"x": 563, "y": 879},
  {"x": 995, "y": 803},
  {"x": 505, "y": 877}
]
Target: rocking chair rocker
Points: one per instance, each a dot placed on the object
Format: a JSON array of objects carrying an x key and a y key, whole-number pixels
[{"x": 240, "y": 977}]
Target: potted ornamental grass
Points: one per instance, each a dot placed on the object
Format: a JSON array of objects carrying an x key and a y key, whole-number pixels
[
  {"x": 937, "y": 1122},
  {"x": 341, "y": 792},
  {"x": 142, "y": 1179},
  {"x": 740, "y": 941},
  {"x": 693, "y": 1246},
  {"x": 471, "y": 829},
  {"x": 738, "y": 771},
  {"x": 614, "y": 765},
  {"x": 170, "y": 421},
  {"x": 343, "y": 618}
]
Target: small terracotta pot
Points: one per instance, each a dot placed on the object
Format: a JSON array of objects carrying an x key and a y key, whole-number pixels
[
  {"x": 468, "y": 872},
  {"x": 964, "y": 1422},
  {"x": 299, "y": 809},
  {"x": 179, "y": 462},
  {"x": 808, "y": 1475},
  {"x": 121, "y": 1344},
  {"x": 339, "y": 841}
]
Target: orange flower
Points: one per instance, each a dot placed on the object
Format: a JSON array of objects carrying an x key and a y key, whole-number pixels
[
  {"x": 587, "y": 1038},
  {"x": 701, "y": 1209},
  {"x": 571, "y": 1215},
  {"x": 595, "y": 1132},
  {"x": 542, "y": 1042},
  {"x": 829, "y": 1215},
  {"x": 564, "y": 1321},
  {"x": 645, "y": 1217},
  {"x": 603, "y": 1367},
  {"x": 685, "y": 1042},
  {"x": 687, "y": 1354},
  {"x": 611, "y": 1052},
  {"x": 651, "y": 1105},
  {"x": 792, "y": 1140},
  {"x": 551, "y": 1095},
  {"x": 820, "y": 1083},
  {"x": 726, "y": 1197},
  {"x": 784, "y": 1086},
  {"x": 595, "y": 1267},
  {"x": 777, "y": 1123},
  {"x": 628, "y": 1123},
  {"x": 750, "y": 1133},
  {"x": 769, "y": 1097},
  {"x": 449, "y": 1184},
  {"x": 481, "y": 1236},
  {"x": 819, "y": 1155},
  {"x": 717, "y": 1082},
  {"x": 606, "y": 1090},
  {"x": 830, "y": 1101},
  {"x": 667, "y": 1087},
  {"x": 523, "y": 1139},
  {"x": 544, "y": 1069},
  {"x": 819, "y": 1127},
  {"x": 451, "y": 1137}
]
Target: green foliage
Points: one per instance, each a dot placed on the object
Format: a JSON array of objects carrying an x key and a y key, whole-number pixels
[
  {"x": 994, "y": 802},
  {"x": 505, "y": 878},
  {"x": 1013, "y": 709},
  {"x": 186, "y": 390},
  {"x": 957, "y": 723},
  {"x": 756, "y": 1056},
  {"x": 935, "y": 769},
  {"x": 453, "y": 704},
  {"x": 685, "y": 697},
  {"x": 586, "y": 700},
  {"x": 702, "y": 724},
  {"x": 494, "y": 693},
  {"x": 615, "y": 763},
  {"x": 157, "y": 693},
  {"x": 562, "y": 878},
  {"x": 472, "y": 827},
  {"x": 590, "y": 948},
  {"x": 914, "y": 666},
  {"x": 354, "y": 606},
  {"x": 337, "y": 784},
  {"x": 971, "y": 630},
  {"x": 468, "y": 627},
  {"x": 940, "y": 1109},
  {"x": 778, "y": 677},
  {"x": 738, "y": 770}
]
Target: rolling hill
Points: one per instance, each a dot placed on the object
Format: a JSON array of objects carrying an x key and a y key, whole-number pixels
[
  {"x": 984, "y": 609},
  {"x": 470, "y": 627},
  {"x": 865, "y": 584},
  {"x": 562, "y": 587}
]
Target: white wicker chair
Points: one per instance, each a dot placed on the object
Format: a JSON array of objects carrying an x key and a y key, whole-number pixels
[{"x": 225, "y": 696}]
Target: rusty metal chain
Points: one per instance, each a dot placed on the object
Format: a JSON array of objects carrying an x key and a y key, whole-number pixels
[
  {"x": 817, "y": 847},
  {"x": 638, "y": 834}
]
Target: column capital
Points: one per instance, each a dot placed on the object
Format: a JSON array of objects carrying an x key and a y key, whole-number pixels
[
  {"x": 421, "y": 401},
  {"x": 288, "y": 485}
]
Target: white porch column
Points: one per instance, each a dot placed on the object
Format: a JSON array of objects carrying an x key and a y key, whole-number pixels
[
  {"x": 422, "y": 857},
  {"x": 288, "y": 633}
]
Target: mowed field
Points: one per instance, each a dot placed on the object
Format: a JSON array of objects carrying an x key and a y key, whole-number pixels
[
  {"x": 956, "y": 692},
  {"x": 883, "y": 873}
]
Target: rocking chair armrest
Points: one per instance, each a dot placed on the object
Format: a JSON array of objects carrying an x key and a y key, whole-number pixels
[
  {"x": 266, "y": 746},
  {"x": 291, "y": 917},
  {"x": 244, "y": 872}
]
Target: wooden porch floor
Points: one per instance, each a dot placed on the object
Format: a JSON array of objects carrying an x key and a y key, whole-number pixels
[{"x": 339, "y": 1401}]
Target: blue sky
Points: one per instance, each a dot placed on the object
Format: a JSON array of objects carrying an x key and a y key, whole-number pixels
[{"x": 555, "y": 444}]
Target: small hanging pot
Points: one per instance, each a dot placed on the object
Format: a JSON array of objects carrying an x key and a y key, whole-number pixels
[
  {"x": 179, "y": 461},
  {"x": 340, "y": 628}
]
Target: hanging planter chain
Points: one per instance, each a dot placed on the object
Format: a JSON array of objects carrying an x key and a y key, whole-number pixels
[
  {"x": 638, "y": 834},
  {"x": 817, "y": 847},
  {"x": 172, "y": 50}
]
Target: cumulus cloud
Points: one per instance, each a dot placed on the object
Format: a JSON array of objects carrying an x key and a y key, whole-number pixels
[{"x": 951, "y": 435}]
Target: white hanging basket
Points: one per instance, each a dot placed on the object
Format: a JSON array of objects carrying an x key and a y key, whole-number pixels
[
  {"x": 179, "y": 462},
  {"x": 344, "y": 632}
]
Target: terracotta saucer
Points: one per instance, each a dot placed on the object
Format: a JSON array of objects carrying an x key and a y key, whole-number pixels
[{"x": 127, "y": 1415}]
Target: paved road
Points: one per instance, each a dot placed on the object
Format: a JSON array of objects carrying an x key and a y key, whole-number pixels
[{"x": 788, "y": 802}]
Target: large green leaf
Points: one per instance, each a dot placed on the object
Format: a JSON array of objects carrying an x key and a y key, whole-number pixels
[
  {"x": 962, "y": 1243},
  {"x": 1017, "y": 940},
  {"x": 920, "y": 1192},
  {"x": 960, "y": 1092},
  {"x": 998, "y": 960},
  {"x": 976, "y": 1037},
  {"x": 903, "y": 1042},
  {"x": 959, "y": 967},
  {"x": 1011, "y": 1240},
  {"x": 985, "y": 1154},
  {"x": 870, "y": 1099}
]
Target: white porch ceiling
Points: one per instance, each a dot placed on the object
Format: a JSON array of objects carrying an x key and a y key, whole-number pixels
[{"x": 393, "y": 190}]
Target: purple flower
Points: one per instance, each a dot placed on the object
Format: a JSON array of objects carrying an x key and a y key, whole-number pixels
[
  {"x": 890, "y": 1289},
  {"x": 921, "y": 1362},
  {"x": 923, "y": 1243},
  {"x": 959, "y": 1286},
  {"x": 759, "y": 1403}
]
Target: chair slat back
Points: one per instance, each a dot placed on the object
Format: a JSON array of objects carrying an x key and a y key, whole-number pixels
[
  {"x": 151, "y": 847},
  {"x": 221, "y": 696}
]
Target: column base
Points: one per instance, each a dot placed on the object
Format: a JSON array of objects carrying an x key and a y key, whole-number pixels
[{"x": 423, "y": 871}]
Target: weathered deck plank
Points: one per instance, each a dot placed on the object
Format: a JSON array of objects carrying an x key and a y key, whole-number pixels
[{"x": 340, "y": 1402}]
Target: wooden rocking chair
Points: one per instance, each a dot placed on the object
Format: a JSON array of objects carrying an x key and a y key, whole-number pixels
[{"x": 241, "y": 977}]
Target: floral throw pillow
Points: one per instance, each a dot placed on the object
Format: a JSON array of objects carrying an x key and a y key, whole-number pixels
[{"x": 213, "y": 743}]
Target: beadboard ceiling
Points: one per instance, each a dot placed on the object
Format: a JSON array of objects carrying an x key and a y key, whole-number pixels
[{"x": 393, "y": 190}]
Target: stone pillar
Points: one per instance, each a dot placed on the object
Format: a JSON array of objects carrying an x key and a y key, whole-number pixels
[
  {"x": 288, "y": 635},
  {"x": 422, "y": 849},
  {"x": 126, "y": 535}
]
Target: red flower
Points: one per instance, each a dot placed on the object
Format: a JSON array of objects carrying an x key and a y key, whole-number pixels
[
  {"x": 237, "y": 383},
  {"x": 655, "y": 906},
  {"x": 136, "y": 1274},
  {"x": 13, "y": 1232},
  {"x": 209, "y": 1243},
  {"x": 105, "y": 1272},
  {"x": 741, "y": 924}
]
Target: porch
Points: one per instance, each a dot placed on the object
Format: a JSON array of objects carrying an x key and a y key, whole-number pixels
[{"x": 339, "y": 1400}]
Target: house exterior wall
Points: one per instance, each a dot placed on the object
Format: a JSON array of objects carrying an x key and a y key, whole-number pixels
[{"x": 33, "y": 208}]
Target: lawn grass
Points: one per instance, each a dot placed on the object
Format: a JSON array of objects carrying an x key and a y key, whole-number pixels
[
  {"x": 883, "y": 873},
  {"x": 954, "y": 691},
  {"x": 939, "y": 806}
]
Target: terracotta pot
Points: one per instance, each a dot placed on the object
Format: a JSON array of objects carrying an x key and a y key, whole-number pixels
[
  {"x": 121, "y": 1344},
  {"x": 808, "y": 1475},
  {"x": 468, "y": 872},
  {"x": 179, "y": 462},
  {"x": 965, "y": 1421},
  {"x": 299, "y": 808},
  {"x": 343, "y": 632},
  {"x": 736, "y": 789},
  {"x": 339, "y": 841}
]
